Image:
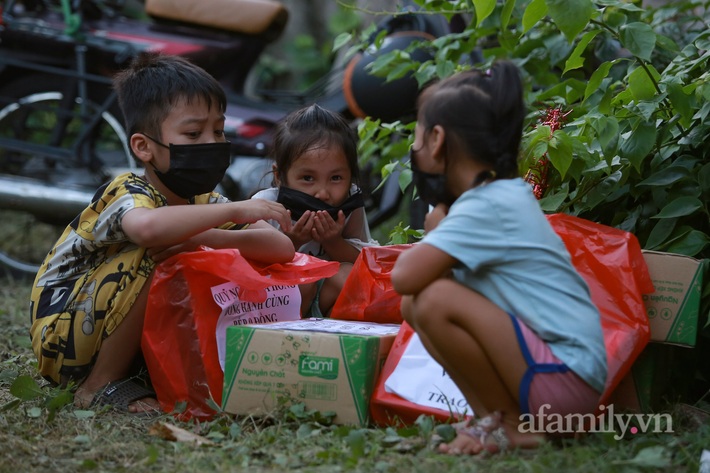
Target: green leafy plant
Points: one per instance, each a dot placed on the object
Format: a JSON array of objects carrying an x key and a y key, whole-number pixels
[
  {"x": 401, "y": 234},
  {"x": 634, "y": 83},
  {"x": 26, "y": 389}
]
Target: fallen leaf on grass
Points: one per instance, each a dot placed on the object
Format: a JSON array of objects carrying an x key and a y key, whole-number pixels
[{"x": 176, "y": 434}]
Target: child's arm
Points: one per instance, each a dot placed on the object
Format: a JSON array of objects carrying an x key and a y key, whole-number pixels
[
  {"x": 171, "y": 225},
  {"x": 418, "y": 267},
  {"x": 259, "y": 242},
  {"x": 437, "y": 214}
]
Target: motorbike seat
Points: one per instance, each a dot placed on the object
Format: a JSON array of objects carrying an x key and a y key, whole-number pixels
[{"x": 253, "y": 17}]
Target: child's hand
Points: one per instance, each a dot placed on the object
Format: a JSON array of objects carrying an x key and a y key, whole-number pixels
[
  {"x": 325, "y": 228},
  {"x": 301, "y": 231},
  {"x": 253, "y": 210},
  {"x": 432, "y": 219}
]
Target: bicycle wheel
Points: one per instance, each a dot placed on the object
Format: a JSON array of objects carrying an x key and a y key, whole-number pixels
[
  {"x": 24, "y": 242},
  {"x": 35, "y": 213}
]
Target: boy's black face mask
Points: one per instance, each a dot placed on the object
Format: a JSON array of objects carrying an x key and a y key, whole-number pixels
[
  {"x": 194, "y": 169},
  {"x": 430, "y": 187},
  {"x": 299, "y": 202}
]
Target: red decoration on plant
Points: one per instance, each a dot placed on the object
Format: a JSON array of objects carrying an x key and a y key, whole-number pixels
[{"x": 537, "y": 174}]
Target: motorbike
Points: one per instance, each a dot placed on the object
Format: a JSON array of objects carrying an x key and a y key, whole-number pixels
[{"x": 61, "y": 131}]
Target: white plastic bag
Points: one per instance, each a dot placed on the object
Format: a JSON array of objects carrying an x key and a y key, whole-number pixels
[{"x": 419, "y": 379}]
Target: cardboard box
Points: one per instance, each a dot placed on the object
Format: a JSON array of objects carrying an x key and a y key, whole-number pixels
[
  {"x": 673, "y": 308},
  {"x": 664, "y": 370},
  {"x": 329, "y": 365}
]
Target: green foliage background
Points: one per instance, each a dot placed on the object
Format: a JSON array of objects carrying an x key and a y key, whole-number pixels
[{"x": 634, "y": 149}]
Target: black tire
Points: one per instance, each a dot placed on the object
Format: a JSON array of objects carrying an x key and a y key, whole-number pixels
[{"x": 29, "y": 110}]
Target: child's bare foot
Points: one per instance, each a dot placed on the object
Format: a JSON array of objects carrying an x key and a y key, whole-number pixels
[
  {"x": 125, "y": 395},
  {"x": 489, "y": 434}
]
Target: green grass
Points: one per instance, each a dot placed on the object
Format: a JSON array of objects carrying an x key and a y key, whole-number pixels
[{"x": 41, "y": 431}]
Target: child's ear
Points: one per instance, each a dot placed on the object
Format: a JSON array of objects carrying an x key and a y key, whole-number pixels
[
  {"x": 275, "y": 171},
  {"x": 437, "y": 137},
  {"x": 139, "y": 145}
]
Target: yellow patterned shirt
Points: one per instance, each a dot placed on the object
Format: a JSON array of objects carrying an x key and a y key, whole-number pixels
[{"x": 90, "y": 279}]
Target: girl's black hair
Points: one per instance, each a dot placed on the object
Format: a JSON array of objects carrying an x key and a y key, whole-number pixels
[
  {"x": 309, "y": 127},
  {"x": 482, "y": 114}
]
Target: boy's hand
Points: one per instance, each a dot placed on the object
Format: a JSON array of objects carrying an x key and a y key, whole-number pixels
[
  {"x": 432, "y": 219},
  {"x": 252, "y": 210},
  {"x": 325, "y": 228},
  {"x": 301, "y": 232}
]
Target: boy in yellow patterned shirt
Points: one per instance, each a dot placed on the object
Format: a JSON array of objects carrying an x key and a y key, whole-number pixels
[{"x": 89, "y": 297}]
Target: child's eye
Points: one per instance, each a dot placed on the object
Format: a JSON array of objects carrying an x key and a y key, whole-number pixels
[
  {"x": 307, "y": 178},
  {"x": 219, "y": 133},
  {"x": 337, "y": 178}
]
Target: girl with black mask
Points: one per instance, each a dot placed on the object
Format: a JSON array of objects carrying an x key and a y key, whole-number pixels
[
  {"x": 315, "y": 178},
  {"x": 491, "y": 290}
]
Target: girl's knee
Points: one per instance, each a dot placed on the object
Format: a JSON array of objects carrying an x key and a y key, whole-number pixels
[
  {"x": 308, "y": 292},
  {"x": 429, "y": 305},
  {"x": 342, "y": 274},
  {"x": 345, "y": 268},
  {"x": 435, "y": 296}
]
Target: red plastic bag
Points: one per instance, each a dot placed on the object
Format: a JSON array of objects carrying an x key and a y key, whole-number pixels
[
  {"x": 179, "y": 333},
  {"x": 612, "y": 264},
  {"x": 367, "y": 294}
]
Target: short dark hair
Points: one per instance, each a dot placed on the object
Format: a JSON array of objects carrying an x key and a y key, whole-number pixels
[
  {"x": 153, "y": 83},
  {"x": 312, "y": 126}
]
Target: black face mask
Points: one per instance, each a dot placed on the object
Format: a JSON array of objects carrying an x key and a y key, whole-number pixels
[
  {"x": 299, "y": 202},
  {"x": 194, "y": 169},
  {"x": 430, "y": 187}
]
